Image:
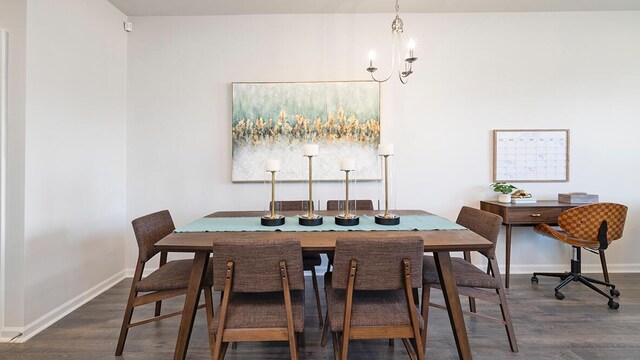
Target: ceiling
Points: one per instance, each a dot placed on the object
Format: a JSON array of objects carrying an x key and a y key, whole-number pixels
[{"x": 239, "y": 7}]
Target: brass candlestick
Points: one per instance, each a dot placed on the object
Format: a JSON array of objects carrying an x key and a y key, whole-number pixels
[
  {"x": 347, "y": 219},
  {"x": 387, "y": 218},
  {"x": 310, "y": 219},
  {"x": 272, "y": 219}
]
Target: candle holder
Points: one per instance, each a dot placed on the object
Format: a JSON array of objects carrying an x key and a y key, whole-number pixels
[
  {"x": 347, "y": 219},
  {"x": 272, "y": 219},
  {"x": 386, "y": 218},
  {"x": 310, "y": 219}
]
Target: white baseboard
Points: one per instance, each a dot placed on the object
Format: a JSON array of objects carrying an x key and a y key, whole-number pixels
[
  {"x": 586, "y": 268},
  {"x": 61, "y": 311}
]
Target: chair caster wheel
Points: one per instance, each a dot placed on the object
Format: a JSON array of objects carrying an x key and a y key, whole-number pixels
[
  {"x": 559, "y": 295},
  {"x": 534, "y": 279},
  {"x": 614, "y": 292},
  {"x": 613, "y": 305}
]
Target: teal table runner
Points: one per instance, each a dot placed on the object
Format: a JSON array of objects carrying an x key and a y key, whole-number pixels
[{"x": 424, "y": 222}]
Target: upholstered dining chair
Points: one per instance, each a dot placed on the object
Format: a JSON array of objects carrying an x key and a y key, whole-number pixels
[
  {"x": 335, "y": 205},
  {"x": 169, "y": 280},
  {"x": 471, "y": 281},
  {"x": 369, "y": 293},
  {"x": 591, "y": 227},
  {"x": 353, "y": 204},
  {"x": 310, "y": 259},
  {"x": 262, "y": 292}
]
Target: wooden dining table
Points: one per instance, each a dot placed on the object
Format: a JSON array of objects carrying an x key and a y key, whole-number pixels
[{"x": 439, "y": 242}]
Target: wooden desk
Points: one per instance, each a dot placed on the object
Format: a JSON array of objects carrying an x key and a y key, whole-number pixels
[
  {"x": 542, "y": 211},
  {"x": 439, "y": 242}
]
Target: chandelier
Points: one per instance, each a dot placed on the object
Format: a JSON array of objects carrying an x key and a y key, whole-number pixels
[{"x": 396, "y": 41}]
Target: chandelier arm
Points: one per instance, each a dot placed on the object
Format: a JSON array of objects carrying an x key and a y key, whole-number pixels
[{"x": 402, "y": 79}]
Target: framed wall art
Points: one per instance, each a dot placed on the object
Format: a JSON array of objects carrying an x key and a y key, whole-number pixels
[{"x": 276, "y": 120}]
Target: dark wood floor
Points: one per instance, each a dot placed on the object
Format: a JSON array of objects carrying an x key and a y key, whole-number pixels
[{"x": 579, "y": 327}]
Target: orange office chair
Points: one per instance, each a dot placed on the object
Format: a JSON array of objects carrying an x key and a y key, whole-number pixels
[{"x": 592, "y": 227}]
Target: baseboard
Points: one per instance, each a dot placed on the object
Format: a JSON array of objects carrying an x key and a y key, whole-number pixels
[
  {"x": 586, "y": 268},
  {"x": 61, "y": 311}
]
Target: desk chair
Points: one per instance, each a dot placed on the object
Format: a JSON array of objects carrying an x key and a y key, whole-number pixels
[
  {"x": 309, "y": 259},
  {"x": 369, "y": 293},
  {"x": 262, "y": 293},
  {"x": 170, "y": 280},
  {"x": 471, "y": 281},
  {"x": 592, "y": 227}
]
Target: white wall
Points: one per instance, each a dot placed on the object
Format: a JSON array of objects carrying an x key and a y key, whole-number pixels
[
  {"x": 75, "y": 154},
  {"x": 476, "y": 73},
  {"x": 13, "y": 19}
]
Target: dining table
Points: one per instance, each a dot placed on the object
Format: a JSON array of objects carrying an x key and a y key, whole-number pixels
[{"x": 439, "y": 242}]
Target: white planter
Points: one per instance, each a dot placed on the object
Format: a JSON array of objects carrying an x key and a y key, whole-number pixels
[{"x": 504, "y": 198}]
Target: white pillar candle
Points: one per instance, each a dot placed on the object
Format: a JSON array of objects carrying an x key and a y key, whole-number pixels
[
  {"x": 311, "y": 150},
  {"x": 347, "y": 164},
  {"x": 272, "y": 165},
  {"x": 385, "y": 149}
]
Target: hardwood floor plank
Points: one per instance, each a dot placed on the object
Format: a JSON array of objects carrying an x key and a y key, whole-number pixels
[{"x": 580, "y": 327}]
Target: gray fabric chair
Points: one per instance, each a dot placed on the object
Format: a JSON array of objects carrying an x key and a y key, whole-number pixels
[
  {"x": 310, "y": 259},
  {"x": 262, "y": 293},
  {"x": 470, "y": 280},
  {"x": 170, "y": 280},
  {"x": 369, "y": 293},
  {"x": 353, "y": 204},
  {"x": 335, "y": 205}
]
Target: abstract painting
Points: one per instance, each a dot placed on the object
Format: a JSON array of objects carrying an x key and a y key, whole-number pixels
[{"x": 276, "y": 120}]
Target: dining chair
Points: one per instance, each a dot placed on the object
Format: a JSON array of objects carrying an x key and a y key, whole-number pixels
[
  {"x": 262, "y": 292},
  {"x": 310, "y": 259},
  {"x": 336, "y": 205},
  {"x": 169, "y": 280},
  {"x": 470, "y": 280},
  {"x": 369, "y": 293},
  {"x": 593, "y": 228}
]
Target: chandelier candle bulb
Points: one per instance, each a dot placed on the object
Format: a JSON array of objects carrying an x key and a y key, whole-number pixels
[
  {"x": 347, "y": 164},
  {"x": 385, "y": 150},
  {"x": 311, "y": 150},
  {"x": 411, "y": 45},
  {"x": 272, "y": 165}
]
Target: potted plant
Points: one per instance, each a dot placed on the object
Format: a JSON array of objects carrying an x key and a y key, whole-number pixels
[{"x": 505, "y": 191}]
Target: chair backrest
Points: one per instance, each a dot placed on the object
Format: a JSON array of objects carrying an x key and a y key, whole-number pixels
[
  {"x": 292, "y": 205},
  {"x": 482, "y": 223},
  {"x": 379, "y": 260},
  {"x": 256, "y": 264},
  {"x": 583, "y": 222},
  {"x": 149, "y": 229},
  {"x": 353, "y": 205}
]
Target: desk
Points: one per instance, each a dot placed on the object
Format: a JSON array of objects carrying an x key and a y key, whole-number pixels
[
  {"x": 439, "y": 242},
  {"x": 542, "y": 211}
]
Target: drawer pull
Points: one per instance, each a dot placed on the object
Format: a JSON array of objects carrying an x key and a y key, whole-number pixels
[{"x": 535, "y": 215}]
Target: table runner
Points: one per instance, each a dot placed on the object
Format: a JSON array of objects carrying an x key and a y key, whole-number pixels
[{"x": 424, "y": 222}]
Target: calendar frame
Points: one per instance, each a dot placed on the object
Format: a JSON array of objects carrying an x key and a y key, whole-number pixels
[{"x": 515, "y": 131}]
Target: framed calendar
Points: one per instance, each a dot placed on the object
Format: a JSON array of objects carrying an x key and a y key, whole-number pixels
[{"x": 531, "y": 155}]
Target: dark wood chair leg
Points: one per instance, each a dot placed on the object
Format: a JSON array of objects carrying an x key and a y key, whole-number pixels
[
  {"x": 208, "y": 301},
  {"x": 128, "y": 312},
  {"x": 426, "y": 296},
  {"x": 163, "y": 261},
  {"x": 603, "y": 262},
  {"x": 325, "y": 329},
  {"x": 316, "y": 290},
  {"x": 336, "y": 346},
  {"x": 504, "y": 308},
  {"x": 472, "y": 304},
  {"x": 391, "y": 342}
]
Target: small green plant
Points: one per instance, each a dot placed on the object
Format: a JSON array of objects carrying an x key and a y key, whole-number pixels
[{"x": 504, "y": 188}]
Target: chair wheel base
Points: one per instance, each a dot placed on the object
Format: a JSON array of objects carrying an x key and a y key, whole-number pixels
[
  {"x": 534, "y": 279},
  {"x": 559, "y": 295},
  {"x": 613, "y": 305},
  {"x": 614, "y": 292}
]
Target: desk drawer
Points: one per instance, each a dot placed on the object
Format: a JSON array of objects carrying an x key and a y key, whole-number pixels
[{"x": 532, "y": 215}]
